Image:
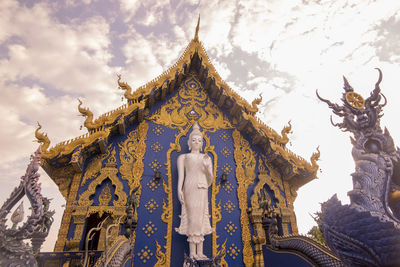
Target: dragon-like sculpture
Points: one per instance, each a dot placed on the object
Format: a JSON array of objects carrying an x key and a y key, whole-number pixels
[
  {"x": 316, "y": 253},
  {"x": 13, "y": 250},
  {"x": 366, "y": 232}
]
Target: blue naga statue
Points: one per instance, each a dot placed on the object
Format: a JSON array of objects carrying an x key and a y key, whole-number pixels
[{"x": 366, "y": 232}]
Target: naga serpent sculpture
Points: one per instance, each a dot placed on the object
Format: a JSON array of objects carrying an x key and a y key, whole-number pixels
[
  {"x": 366, "y": 232},
  {"x": 13, "y": 250},
  {"x": 313, "y": 251}
]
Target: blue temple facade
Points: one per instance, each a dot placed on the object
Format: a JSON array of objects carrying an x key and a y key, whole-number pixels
[{"x": 136, "y": 146}]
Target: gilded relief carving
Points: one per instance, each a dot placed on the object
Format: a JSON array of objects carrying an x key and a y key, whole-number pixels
[
  {"x": 93, "y": 168},
  {"x": 245, "y": 174},
  {"x": 108, "y": 171},
  {"x": 191, "y": 103},
  {"x": 131, "y": 155},
  {"x": 272, "y": 182}
]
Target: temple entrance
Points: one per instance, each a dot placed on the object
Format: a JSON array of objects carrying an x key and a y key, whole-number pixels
[{"x": 92, "y": 222}]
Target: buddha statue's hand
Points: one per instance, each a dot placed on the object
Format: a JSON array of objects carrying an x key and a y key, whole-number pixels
[
  {"x": 206, "y": 161},
  {"x": 180, "y": 196}
]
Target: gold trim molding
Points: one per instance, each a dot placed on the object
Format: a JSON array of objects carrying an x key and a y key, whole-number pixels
[{"x": 245, "y": 174}]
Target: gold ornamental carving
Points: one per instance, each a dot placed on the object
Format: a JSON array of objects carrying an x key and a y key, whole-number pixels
[
  {"x": 131, "y": 154},
  {"x": 109, "y": 117},
  {"x": 108, "y": 171},
  {"x": 245, "y": 159},
  {"x": 273, "y": 182},
  {"x": 191, "y": 103},
  {"x": 93, "y": 168}
]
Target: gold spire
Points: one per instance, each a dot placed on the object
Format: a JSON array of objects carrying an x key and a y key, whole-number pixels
[{"x": 196, "y": 35}]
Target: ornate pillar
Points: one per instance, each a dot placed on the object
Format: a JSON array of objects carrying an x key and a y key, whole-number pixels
[
  {"x": 66, "y": 219},
  {"x": 79, "y": 216},
  {"x": 259, "y": 237}
]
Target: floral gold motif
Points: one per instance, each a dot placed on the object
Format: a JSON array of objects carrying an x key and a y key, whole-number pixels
[
  {"x": 156, "y": 147},
  {"x": 233, "y": 251},
  {"x": 151, "y": 205},
  {"x": 245, "y": 175},
  {"x": 153, "y": 184},
  {"x": 145, "y": 254},
  {"x": 109, "y": 171},
  {"x": 131, "y": 154},
  {"x": 229, "y": 206},
  {"x": 149, "y": 228},
  {"x": 228, "y": 187},
  {"x": 93, "y": 168},
  {"x": 230, "y": 228},
  {"x": 191, "y": 102},
  {"x": 155, "y": 165}
]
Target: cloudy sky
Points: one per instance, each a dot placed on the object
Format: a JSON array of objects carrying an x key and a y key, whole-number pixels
[{"x": 53, "y": 52}]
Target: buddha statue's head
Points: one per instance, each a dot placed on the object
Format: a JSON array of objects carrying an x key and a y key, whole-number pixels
[{"x": 195, "y": 141}]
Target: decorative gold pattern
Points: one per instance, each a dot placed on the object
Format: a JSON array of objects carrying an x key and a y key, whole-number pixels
[
  {"x": 149, "y": 228},
  {"x": 66, "y": 219},
  {"x": 105, "y": 196},
  {"x": 225, "y": 152},
  {"x": 224, "y": 136},
  {"x": 151, "y": 205},
  {"x": 158, "y": 130},
  {"x": 42, "y": 138},
  {"x": 233, "y": 251},
  {"x": 160, "y": 256},
  {"x": 226, "y": 168},
  {"x": 191, "y": 103},
  {"x": 93, "y": 168},
  {"x": 109, "y": 117},
  {"x": 155, "y": 165},
  {"x": 156, "y": 147},
  {"x": 153, "y": 184},
  {"x": 230, "y": 228},
  {"x": 228, "y": 187},
  {"x": 229, "y": 206},
  {"x": 145, "y": 254},
  {"x": 245, "y": 175},
  {"x": 255, "y": 104},
  {"x": 355, "y": 100},
  {"x": 272, "y": 182},
  {"x": 131, "y": 155},
  {"x": 109, "y": 171}
]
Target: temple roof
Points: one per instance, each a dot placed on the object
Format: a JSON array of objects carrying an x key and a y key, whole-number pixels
[{"x": 64, "y": 159}]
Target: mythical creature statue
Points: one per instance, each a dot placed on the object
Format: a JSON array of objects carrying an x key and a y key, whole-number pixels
[
  {"x": 316, "y": 253},
  {"x": 366, "y": 232},
  {"x": 13, "y": 250}
]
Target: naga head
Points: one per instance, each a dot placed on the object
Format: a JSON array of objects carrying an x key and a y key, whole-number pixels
[{"x": 359, "y": 115}]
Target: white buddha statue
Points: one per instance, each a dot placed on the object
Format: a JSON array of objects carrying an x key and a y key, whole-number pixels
[{"x": 195, "y": 175}]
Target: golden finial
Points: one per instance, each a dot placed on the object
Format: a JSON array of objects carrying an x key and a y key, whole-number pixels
[
  {"x": 196, "y": 35},
  {"x": 42, "y": 138},
  {"x": 314, "y": 158}
]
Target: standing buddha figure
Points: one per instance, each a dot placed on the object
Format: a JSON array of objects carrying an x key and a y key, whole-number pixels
[{"x": 195, "y": 175}]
